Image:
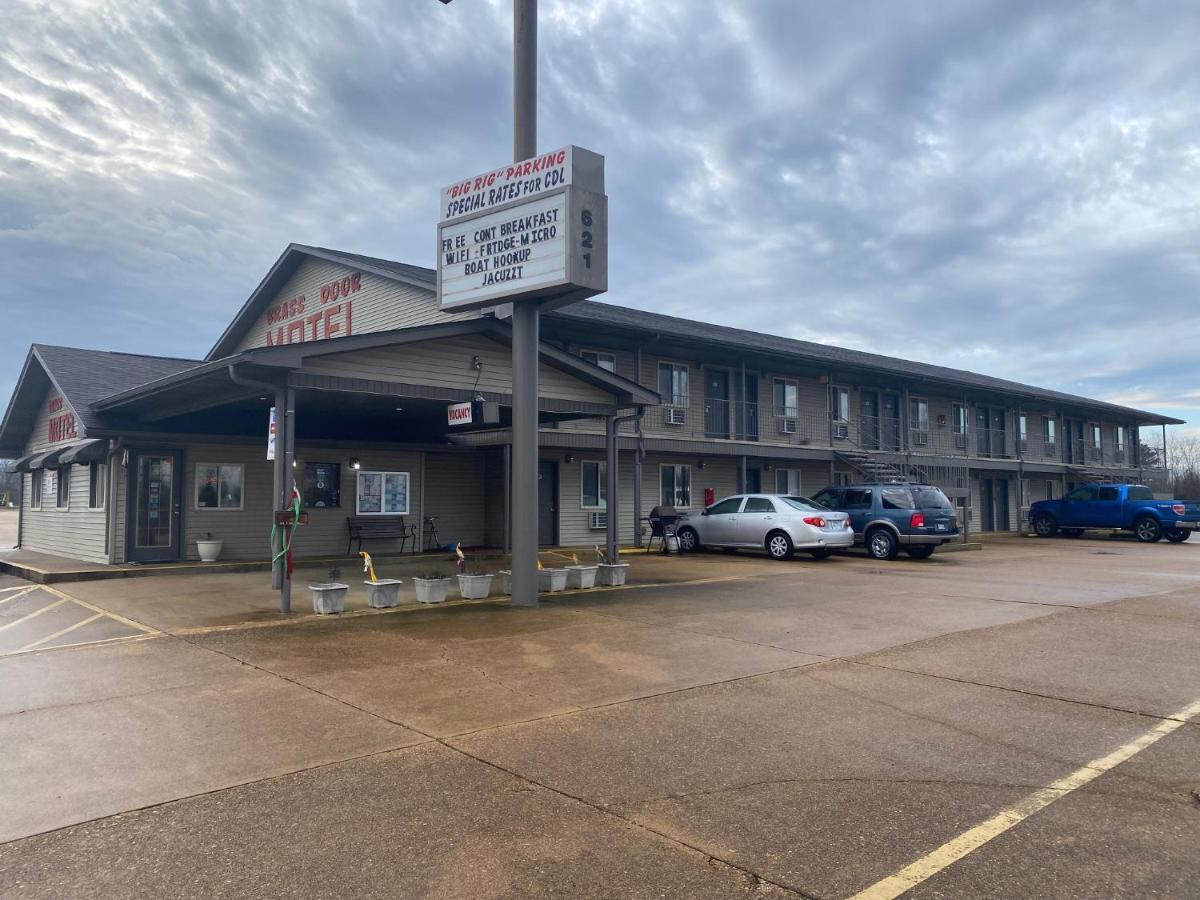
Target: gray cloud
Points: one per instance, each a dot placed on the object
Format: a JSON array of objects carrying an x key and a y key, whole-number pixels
[{"x": 1007, "y": 187}]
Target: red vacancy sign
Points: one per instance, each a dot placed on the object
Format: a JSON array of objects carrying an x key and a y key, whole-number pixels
[{"x": 459, "y": 414}]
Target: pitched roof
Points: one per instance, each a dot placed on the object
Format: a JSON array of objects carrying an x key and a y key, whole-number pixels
[{"x": 593, "y": 313}]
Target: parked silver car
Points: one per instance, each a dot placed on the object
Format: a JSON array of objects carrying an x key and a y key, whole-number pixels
[{"x": 778, "y": 523}]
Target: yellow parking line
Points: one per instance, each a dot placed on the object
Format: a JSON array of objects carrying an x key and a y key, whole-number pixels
[
  {"x": 32, "y": 615},
  {"x": 956, "y": 848},
  {"x": 128, "y": 639},
  {"x": 18, "y": 587},
  {"x": 112, "y": 615},
  {"x": 48, "y": 638},
  {"x": 24, "y": 591}
]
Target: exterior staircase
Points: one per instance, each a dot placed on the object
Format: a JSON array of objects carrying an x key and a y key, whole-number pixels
[{"x": 872, "y": 468}]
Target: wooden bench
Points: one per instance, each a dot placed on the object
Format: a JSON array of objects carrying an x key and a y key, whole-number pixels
[{"x": 379, "y": 528}]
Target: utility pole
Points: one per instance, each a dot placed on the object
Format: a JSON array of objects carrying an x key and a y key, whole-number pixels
[{"x": 525, "y": 328}]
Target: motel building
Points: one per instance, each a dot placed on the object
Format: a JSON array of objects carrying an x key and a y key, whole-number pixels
[{"x": 402, "y": 410}]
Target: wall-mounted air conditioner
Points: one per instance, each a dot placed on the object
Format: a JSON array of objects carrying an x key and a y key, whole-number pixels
[
  {"x": 920, "y": 438},
  {"x": 841, "y": 430},
  {"x": 598, "y": 521},
  {"x": 787, "y": 426},
  {"x": 676, "y": 415}
]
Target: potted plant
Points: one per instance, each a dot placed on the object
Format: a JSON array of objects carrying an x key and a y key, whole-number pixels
[
  {"x": 329, "y": 598},
  {"x": 432, "y": 587},
  {"x": 209, "y": 549},
  {"x": 505, "y": 581},
  {"x": 474, "y": 584},
  {"x": 552, "y": 580},
  {"x": 382, "y": 593},
  {"x": 579, "y": 576},
  {"x": 610, "y": 572}
]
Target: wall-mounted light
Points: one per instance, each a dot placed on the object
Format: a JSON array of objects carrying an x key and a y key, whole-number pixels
[
  {"x": 355, "y": 464},
  {"x": 568, "y": 459},
  {"x": 700, "y": 464},
  {"x": 766, "y": 467}
]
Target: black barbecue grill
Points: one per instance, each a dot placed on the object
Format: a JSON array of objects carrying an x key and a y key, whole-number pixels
[{"x": 662, "y": 521}]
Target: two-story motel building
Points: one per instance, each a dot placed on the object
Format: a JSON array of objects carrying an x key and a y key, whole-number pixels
[{"x": 131, "y": 458}]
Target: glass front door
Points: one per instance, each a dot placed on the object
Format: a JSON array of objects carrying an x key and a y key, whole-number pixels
[{"x": 152, "y": 533}]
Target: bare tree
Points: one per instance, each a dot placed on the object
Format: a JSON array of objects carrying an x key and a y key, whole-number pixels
[
  {"x": 10, "y": 481},
  {"x": 1183, "y": 461}
]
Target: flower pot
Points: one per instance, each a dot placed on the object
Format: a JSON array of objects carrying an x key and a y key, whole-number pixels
[
  {"x": 384, "y": 593},
  {"x": 474, "y": 587},
  {"x": 505, "y": 581},
  {"x": 209, "y": 550},
  {"x": 431, "y": 590},
  {"x": 612, "y": 574},
  {"x": 329, "y": 598},
  {"x": 552, "y": 580},
  {"x": 581, "y": 576}
]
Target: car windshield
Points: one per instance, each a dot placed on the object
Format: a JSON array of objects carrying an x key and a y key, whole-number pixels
[
  {"x": 1138, "y": 492},
  {"x": 804, "y": 504},
  {"x": 931, "y": 498}
]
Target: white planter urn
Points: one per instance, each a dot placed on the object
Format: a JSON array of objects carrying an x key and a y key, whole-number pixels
[
  {"x": 209, "y": 550},
  {"x": 581, "y": 577},
  {"x": 612, "y": 574},
  {"x": 552, "y": 580},
  {"x": 384, "y": 593},
  {"x": 329, "y": 599},
  {"x": 431, "y": 590},
  {"x": 474, "y": 587},
  {"x": 505, "y": 581}
]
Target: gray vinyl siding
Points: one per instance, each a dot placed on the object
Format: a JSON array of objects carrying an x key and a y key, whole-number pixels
[
  {"x": 449, "y": 364},
  {"x": 75, "y": 532},
  {"x": 454, "y": 493},
  {"x": 379, "y": 305}
]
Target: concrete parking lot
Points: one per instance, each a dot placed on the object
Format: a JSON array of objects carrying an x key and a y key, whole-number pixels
[{"x": 1020, "y": 721}]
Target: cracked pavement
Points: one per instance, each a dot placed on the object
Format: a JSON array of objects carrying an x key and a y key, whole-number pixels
[{"x": 800, "y": 729}]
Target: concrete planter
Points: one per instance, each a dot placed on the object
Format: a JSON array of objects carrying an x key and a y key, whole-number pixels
[
  {"x": 474, "y": 587},
  {"x": 329, "y": 599},
  {"x": 581, "y": 577},
  {"x": 209, "y": 550},
  {"x": 505, "y": 581},
  {"x": 384, "y": 593},
  {"x": 552, "y": 580},
  {"x": 612, "y": 574},
  {"x": 431, "y": 590}
]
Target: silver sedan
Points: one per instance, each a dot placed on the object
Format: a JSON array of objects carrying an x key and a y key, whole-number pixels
[{"x": 778, "y": 523}]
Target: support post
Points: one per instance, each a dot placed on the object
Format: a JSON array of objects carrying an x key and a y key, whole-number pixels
[
  {"x": 289, "y": 480},
  {"x": 638, "y": 453},
  {"x": 612, "y": 516},
  {"x": 745, "y": 488},
  {"x": 525, "y": 327},
  {"x": 280, "y": 498},
  {"x": 507, "y": 463}
]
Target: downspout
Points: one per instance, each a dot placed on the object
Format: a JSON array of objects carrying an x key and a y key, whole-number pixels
[
  {"x": 111, "y": 512},
  {"x": 613, "y": 510}
]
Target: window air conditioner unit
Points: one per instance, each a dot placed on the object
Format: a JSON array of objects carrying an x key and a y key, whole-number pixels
[
  {"x": 920, "y": 438},
  {"x": 676, "y": 415},
  {"x": 787, "y": 426},
  {"x": 960, "y": 441},
  {"x": 841, "y": 430},
  {"x": 598, "y": 521}
]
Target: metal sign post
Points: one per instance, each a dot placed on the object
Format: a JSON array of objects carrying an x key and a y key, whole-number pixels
[{"x": 533, "y": 234}]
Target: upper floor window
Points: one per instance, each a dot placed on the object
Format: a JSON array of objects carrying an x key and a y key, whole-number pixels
[
  {"x": 786, "y": 398},
  {"x": 1120, "y": 435},
  {"x": 839, "y": 403},
  {"x": 673, "y": 384},
  {"x": 960, "y": 418},
  {"x": 1096, "y": 437},
  {"x": 1049, "y": 430},
  {"x": 606, "y": 361},
  {"x": 1022, "y": 428},
  {"x": 919, "y": 411}
]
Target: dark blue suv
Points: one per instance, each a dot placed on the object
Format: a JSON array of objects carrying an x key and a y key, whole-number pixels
[{"x": 887, "y": 517}]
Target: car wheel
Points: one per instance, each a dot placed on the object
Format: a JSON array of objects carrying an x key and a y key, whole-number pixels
[
  {"x": 1147, "y": 530},
  {"x": 779, "y": 545},
  {"x": 1179, "y": 535},
  {"x": 920, "y": 552},
  {"x": 689, "y": 541},
  {"x": 1044, "y": 525},
  {"x": 821, "y": 553},
  {"x": 882, "y": 544}
]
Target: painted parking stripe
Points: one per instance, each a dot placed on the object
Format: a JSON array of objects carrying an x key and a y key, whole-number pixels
[
  {"x": 33, "y": 615},
  {"x": 956, "y": 848},
  {"x": 48, "y": 638},
  {"x": 23, "y": 592},
  {"x": 138, "y": 626}
]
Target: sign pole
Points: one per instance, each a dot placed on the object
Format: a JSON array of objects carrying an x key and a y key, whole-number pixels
[{"x": 525, "y": 328}]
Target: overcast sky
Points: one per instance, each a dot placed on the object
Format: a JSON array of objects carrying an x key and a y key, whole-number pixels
[{"x": 1007, "y": 187}]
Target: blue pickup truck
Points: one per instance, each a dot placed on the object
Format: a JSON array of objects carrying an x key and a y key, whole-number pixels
[{"x": 1128, "y": 507}]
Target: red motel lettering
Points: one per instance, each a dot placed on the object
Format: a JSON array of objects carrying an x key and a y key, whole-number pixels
[{"x": 293, "y": 321}]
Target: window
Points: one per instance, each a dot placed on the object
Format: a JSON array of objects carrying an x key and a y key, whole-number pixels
[
  {"x": 382, "y": 494},
  {"x": 1049, "y": 430},
  {"x": 673, "y": 384},
  {"x": 759, "y": 505},
  {"x": 64, "y": 488},
  {"x": 839, "y": 404},
  {"x": 857, "y": 498},
  {"x": 35, "y": 489},
  {"x": 97, "y": 485},
  {"x": 321, "y": 487},
  {"x": 918, "y": 412},
  {"x": 787, "y": 398},
  {"x": 787, "y": 481},
  {"x": 676, "y": 485},
  {"x": 1051, "y": 489},
  {"x": 897, "y": 498},
  {"x": 1120, "y": 436},
  {"x": 1106, "y": 493},
  {"x": 960, "y": 418},
  {"x": 593, "y": 488},
  {"x": 1096, "y": 437},
  {"x": 218, "y": 486},
  {"x": 1022, "y": 429},
  {"x": 725, "y": 507},
  {"x": 606, "y": 361}
]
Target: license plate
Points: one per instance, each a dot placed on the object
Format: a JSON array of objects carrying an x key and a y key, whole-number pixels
[{"x": 940, "y": 526}]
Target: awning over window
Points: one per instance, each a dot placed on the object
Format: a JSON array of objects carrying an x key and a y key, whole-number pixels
[{"x": 83, "y": 452}]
